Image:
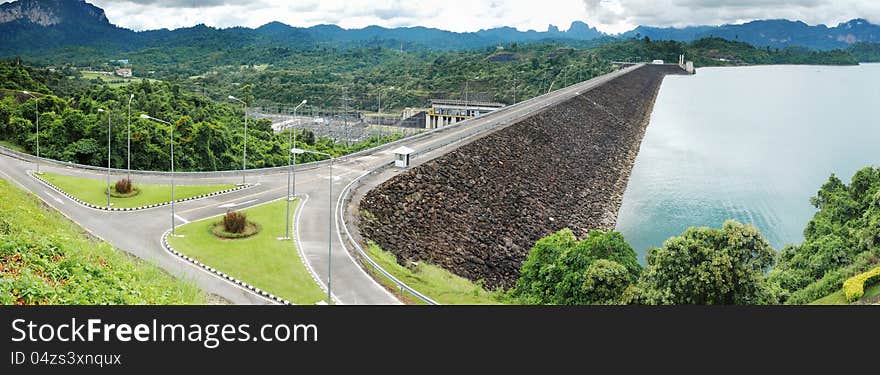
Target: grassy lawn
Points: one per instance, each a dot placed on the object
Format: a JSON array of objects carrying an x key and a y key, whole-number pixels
[
  {"x": 12, "y": 146},
  {"x": 262, "y": 260},
  {"x": 838, "y": 298},
  {"x": 113, "y": 81},
  {"x": 434, "y": 281},
  {"x": 47, "y": 259},
  {"x": 95, "y": 191}
]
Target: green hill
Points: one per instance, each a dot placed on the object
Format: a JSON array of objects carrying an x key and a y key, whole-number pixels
[{"x": 47, "y": 259}]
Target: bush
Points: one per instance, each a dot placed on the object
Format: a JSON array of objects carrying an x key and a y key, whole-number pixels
[
  {"x": 234, "y": 222},
  {"x": 854, "y": 287},
  {"x": 123, "y": 186},
  {"x": 560, "y": 270}
]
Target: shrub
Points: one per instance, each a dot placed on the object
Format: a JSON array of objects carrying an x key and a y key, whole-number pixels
[
  {"x": 561, "y": 270},
  {"x": 854, "y": 287},
  {"x": 234, "y": 221},
  {"x": 123, "y": 186}
]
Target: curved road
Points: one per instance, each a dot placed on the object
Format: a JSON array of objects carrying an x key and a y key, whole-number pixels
[{"x": 140, "y": 232}]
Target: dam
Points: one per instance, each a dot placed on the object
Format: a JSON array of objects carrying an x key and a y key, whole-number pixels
[{"x": 478, "y": 209}]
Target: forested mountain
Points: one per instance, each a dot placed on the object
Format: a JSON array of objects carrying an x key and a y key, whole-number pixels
[
  {"x": 33, "y": 26},
  {"x": 772, "y": 33}
]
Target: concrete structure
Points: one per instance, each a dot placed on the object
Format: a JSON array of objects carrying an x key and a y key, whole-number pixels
[
  {"x": 401, "y": 156},
  {"x": 124, "y": 72},
  {"x": 446, "y": 112}
]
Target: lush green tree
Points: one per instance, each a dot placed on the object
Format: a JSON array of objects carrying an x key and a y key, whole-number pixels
[
  {"x": 840, "y": 240},
  {"x": 710, "y": 266},
  {"x": 562, "y": 270}
]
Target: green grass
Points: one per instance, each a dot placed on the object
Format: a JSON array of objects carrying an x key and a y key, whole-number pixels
[
  {"x": 113, "y": 81},
  {"x": 47, "y": 259},
  {"x": 95, "y": 191},
  {"x": 12, "y": 146},
  {"x": 262, "y": 260},
  {"x": 838, "y": 297},
  {"x": 434, "y": 281}
]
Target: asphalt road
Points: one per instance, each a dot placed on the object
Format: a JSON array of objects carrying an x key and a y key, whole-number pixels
[{"x": 140, "y": 232}]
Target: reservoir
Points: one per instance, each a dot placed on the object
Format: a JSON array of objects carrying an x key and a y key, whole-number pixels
[{"x": 751, "y": 144}]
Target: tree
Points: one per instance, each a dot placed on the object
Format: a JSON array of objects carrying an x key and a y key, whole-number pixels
[
  {"x": 710, "y": 266},
  {"x": 605, "y": 281},
  {"x": 840, "y": 240},
  {"x": 562, "y": 270}
]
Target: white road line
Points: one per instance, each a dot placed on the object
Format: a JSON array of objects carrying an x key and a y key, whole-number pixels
[
  {"x": 185, "y": 221},
  {"x": 229, "y": 205},
  {"x": 59, "y": 200}
]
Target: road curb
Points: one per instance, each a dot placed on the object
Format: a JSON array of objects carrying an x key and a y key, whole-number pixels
[
  {"x": 241, "y": 284},
  {"x": 129, "y": 209}
]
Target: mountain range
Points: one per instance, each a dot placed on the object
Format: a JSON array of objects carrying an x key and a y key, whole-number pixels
[{"x": 40, "y": 26}]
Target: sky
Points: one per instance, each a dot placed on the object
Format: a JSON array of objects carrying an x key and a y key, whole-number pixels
[{"x": 610, "y": 16}]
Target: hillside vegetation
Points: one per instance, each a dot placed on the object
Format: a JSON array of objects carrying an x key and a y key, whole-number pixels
[
  {"x": 208, "y": 134},
  {"x": 46, "y": 259},
  {"x": 836, "y": 263}
]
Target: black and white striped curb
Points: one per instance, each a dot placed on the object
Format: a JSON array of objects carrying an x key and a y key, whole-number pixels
[
  {"x": 237, "y": 282},
  {"x": 123, "y": 209}
]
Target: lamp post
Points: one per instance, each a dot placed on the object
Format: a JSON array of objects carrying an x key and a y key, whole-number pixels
[
  {"x": 147, "y": 117},
  {"x": 291, "y": 164},
  {"x": 108, "y": 154},
  {"x": 37, "y": 105},
  {"x": 244, "y": 156},
  {"x": 299, "y": 151},
  {"x": 129, "y": 135}
]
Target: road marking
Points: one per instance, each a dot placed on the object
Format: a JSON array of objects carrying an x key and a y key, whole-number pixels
[
  {"x": 185, "y": 221},
  {"x": 247, "y": 196},
  {"x": 229, "y": 205},
  {"x": 59, "y": 200}
]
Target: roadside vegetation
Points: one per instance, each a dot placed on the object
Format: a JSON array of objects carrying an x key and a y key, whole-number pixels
[
  {"x": 46, "y": 259},
  {"x": 433, "y": 281},
  {"x": 259, "y": 259},
  {"x": 95, "y": 191},
  {"x": 208, "y": 134}
]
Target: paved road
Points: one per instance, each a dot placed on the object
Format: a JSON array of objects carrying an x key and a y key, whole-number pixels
[{"x": 140, "y": 232}]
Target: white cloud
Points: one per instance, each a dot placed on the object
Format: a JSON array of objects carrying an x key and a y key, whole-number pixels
[{"x": 470, "y": 15}]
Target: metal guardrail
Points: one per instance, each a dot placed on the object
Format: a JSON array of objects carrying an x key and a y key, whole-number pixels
[
  {"x": 340, "y": 217},
  {"x": 345, "y": 198}
]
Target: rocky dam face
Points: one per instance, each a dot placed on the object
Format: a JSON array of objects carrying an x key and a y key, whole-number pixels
[{"x": 477, "y": 211}]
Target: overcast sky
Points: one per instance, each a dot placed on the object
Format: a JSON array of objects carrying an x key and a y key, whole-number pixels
[{"x": 612, "y": 16}]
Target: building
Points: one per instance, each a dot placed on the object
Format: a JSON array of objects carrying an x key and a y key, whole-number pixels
[
  {"x": 124, "y": 72},
  {"x": 446, "y": 112}
]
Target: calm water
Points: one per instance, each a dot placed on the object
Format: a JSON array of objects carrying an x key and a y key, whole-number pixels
[{"x": 752, "y": 144}]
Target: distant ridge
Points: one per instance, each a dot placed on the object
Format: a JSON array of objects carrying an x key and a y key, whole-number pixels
[{"x": 39, "y": 26}]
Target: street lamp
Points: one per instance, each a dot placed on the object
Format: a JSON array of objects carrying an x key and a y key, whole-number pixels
[
  {"x": 299, "y": 151},
  {"x": 108, "y": 154},
  {"x": 291, "y": 164},
  {"x": 147, "y": 117},
  {"x": 129, "y": 135},
  {"x": 244, "y": 156},
  {"x": 37, "y": 105}
]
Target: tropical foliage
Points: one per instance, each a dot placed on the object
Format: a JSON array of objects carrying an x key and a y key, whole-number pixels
[
  {"x": 842, "y": 239},
  {"x": 207, "y": 133},
  {"x": 46, "y": 259},
  {"x": 710, "y": 266},
  {"x": 562, "y": 270}
]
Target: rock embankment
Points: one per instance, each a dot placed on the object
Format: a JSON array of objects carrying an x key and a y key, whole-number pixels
[{"x": 477, "y": 210}]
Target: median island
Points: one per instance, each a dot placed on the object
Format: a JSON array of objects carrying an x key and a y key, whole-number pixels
[
  {"x": 257, "y": 256},
  {"x": 140, "y": 195}
]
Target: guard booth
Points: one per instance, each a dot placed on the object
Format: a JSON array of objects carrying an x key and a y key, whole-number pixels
[{"x": 401, "y": 156}]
